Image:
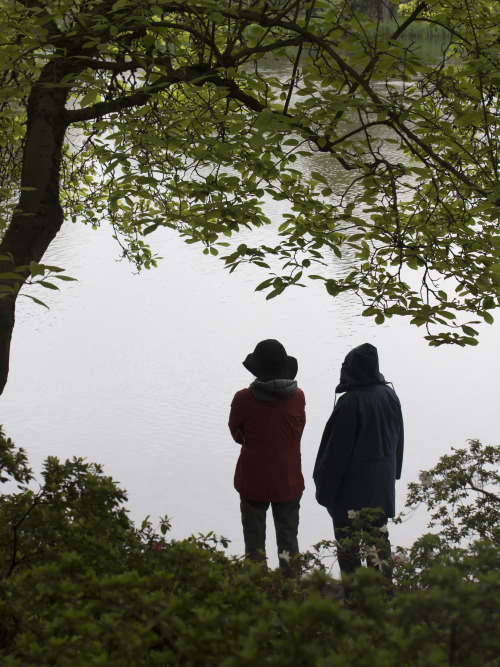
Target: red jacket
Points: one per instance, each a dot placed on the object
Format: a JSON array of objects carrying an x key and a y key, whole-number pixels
[{"x": 269, "y": 465}]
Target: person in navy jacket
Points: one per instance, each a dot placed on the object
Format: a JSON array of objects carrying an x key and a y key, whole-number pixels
[
  {"x": 361, "y": 452},
  {"x": 267, "y": 420}
]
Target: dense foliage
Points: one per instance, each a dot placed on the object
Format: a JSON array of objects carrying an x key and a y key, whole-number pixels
[
  {"x": 80, "y": 585},
  {"x": 192, "y": 114}
]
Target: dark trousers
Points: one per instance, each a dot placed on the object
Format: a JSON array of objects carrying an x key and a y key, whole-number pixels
[
  {"x": 348, "y": 554},
  {"x": 286, "y": 524}
]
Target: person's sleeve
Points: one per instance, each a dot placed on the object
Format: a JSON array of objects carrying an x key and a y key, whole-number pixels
[
  {"x": 303, "y": 410},
  {"x": 335, "y": 451},
  {"x": 236, "y": 419},
  {"x": 400, "y": 447}
]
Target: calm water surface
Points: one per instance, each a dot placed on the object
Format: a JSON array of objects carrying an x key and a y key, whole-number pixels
[{"x": 137, "y": 372}]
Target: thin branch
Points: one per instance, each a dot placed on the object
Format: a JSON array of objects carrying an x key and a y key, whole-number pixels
[
  {"x": 14, "y": 560},
  {"x": 194, "y": 75}
]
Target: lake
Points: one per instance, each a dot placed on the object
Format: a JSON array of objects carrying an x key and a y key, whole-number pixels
[{"x": 137, "y": 372}]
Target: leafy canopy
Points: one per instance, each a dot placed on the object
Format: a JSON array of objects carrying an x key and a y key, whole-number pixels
[{"x": 191, "y": 114}]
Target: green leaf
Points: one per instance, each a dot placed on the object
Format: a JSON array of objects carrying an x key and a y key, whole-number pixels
[
  {"x": 38, "y": 301},
  {"x": 317, "y": 176},
  {"x": 9, "y": 276},
  {"x": 36, "y": 269},
  {"x": 264, "y": 285},
  {"x": 469, "y": 330},
  {"x": 216, "y": 17},
  {"x": 89, "y": 98}
]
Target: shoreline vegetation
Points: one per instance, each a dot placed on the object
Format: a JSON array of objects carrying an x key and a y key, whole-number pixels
[
  {"x": 423, "y": 31},
  {"x": 81, "y": 585}
]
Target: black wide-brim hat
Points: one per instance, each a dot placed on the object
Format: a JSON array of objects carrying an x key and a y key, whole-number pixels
[{"x": 269, "y": 361}]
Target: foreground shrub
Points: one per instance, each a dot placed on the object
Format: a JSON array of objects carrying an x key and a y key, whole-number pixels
[{"x": 82, "y": 586}]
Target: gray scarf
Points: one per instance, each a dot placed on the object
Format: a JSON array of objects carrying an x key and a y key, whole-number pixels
[{"x": 273, "y": 390}]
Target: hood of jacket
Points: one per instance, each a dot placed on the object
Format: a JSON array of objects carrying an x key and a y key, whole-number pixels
[
  {"x": 360, "y": 369},
  {"x": 273, "y": 390}
]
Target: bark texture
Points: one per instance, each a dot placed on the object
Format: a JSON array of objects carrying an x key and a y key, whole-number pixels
[{"x": 39, "y": 216}]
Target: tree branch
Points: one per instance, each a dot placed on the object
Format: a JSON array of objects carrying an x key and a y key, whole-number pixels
[
  {"x": 16, "y": 527},
  {"x": 200, "y": 75}
]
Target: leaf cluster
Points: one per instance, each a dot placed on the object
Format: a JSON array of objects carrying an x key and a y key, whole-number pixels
[
  {"x": 42, "y": 275},
  {"x": 462, "y": 494}
]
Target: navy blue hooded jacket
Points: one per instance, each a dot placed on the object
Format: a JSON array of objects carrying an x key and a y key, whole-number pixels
[{"x": 361, "y": 451}]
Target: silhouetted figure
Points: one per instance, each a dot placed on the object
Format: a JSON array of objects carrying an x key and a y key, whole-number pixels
[
  {"x": 267, "y": 420},
  {"x": 361, "y": 451}
]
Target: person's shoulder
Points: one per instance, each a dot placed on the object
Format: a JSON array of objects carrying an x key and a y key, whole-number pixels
[
  {"x": 298, "y": 398},
  {"x": 243, "y": 394},
  {"x": 388, "y": 389},
  {"x": 349, "y": 400},
  {"x": 348, "y": 396},
  {"x": 387, "y": 394}
]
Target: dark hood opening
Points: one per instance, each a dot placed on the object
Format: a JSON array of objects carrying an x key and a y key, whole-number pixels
[{"x": 360, "y": 369}]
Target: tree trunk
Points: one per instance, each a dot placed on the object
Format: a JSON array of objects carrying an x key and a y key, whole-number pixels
[
  {"x": 39, "y": 216},
  {"x": 386, "y": 11}
]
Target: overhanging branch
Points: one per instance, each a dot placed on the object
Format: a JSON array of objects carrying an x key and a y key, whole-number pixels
[{"x": 200, "y": 75}]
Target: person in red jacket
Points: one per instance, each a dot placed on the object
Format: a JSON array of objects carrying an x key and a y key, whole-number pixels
[{"x": 267, "y": 419}]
